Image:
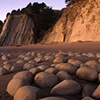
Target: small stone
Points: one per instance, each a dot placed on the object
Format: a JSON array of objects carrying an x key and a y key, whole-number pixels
[
  {"x": 20, "y": 61},
  {"x": 39, "y": 59},
  {"x": 98, "y": 55},
  {"x": 71, "y": 69},
  {"x": 5, "y": 58},
  {"x": 27, "y": 58},
  {"x": 15, "y": 69},
  {"x": 3, "y": 71}
]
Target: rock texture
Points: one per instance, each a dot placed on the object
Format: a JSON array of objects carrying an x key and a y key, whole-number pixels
[
  {"x": 79, "y": 22},
  {"x": 17, "y": 30}
]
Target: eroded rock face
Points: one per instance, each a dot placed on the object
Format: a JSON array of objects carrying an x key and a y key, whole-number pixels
[
  {"x": 17, "y": 30},
  {"x": 79, "y": 22}
]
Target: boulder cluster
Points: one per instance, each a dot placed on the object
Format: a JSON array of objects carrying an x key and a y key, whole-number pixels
[{"x": 52, "y": 76}]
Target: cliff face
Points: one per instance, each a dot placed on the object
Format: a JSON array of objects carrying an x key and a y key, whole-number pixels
[
  {"x": 79, "y": 22},
  {"x": 17, "y": 30}
]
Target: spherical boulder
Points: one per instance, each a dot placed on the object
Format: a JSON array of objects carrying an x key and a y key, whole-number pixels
[
  {"x": 62, "y": 75},
  {"x": 66, "y": 87},
  {"x": 25, "y": 75},
  {"x": 87, "y": 74},
  {"x": 45, "y": 80},
  {"x": 14, "y": 85},
  {"x": 26, "y": 93}
]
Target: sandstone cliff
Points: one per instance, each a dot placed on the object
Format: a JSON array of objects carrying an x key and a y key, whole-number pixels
[
  {"x": 79, "y": 22},
  {"x": 17, "y": 30}
]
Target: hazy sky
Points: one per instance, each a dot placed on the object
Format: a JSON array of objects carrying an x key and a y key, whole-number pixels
[{"x": 8, "y": 5}]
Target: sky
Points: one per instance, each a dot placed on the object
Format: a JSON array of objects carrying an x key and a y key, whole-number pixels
[{"x": 9, "y": 5}]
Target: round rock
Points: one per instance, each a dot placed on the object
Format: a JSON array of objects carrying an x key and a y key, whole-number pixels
[
  {"x": 14, "y": 85},
  {"x": 71, "y": 69},
  {"x": 87, "y": 74},
  {"x": 45, "y": 80},
  {"x": 25, "y": 75},
  {"x": 26, "y": 93},
  {"x": 65, "y": 88},
  {"x": 51, "y": 70},
  {"x": 62, "y": 75},
  {"x": 34, "y": 71}
]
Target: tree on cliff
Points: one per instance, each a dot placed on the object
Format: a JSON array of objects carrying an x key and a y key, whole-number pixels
[{"x": 70, "y": 1}]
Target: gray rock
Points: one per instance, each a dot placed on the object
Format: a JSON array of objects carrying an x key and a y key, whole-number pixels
[
  {"x": 66, "y": 87},
  {"x": 59, "y": 59},
  {"x": 7, "y": 66},
  {"x": 28, "y": 66},
  {"x": 45, "y": 80}
]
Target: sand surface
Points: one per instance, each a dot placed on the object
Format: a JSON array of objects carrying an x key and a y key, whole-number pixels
[{"x": 86, "y": 47}]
